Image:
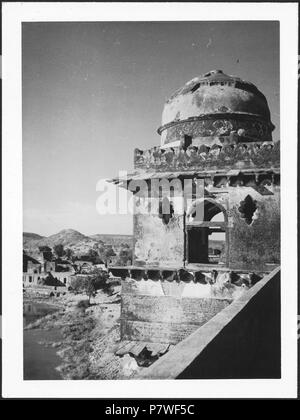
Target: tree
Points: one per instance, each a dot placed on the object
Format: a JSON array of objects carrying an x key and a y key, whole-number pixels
[
  {"x": 69, "y": 253},
  {"x": 90, "y": 283},
  {"x": 108, "y": 252},
  {"x": 44, "y": 248},
  {"x": 59, "y": 250},
  {"x": 92, "y": 254},
  {"x": 125, "y": 256}
]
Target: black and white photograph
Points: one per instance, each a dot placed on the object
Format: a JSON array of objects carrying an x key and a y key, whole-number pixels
[{"x": 153, "y": 229}]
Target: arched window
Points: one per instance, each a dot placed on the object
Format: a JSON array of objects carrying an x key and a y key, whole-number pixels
[{"x": 206, "y": 227}]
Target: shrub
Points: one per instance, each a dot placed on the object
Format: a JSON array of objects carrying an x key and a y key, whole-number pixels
[{"x": 90, "y": 283}]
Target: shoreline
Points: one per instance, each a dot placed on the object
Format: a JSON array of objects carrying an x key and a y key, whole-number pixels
[{"x": 90, "y": 336}]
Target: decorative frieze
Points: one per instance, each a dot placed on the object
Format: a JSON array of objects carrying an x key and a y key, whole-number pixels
[
  {"x": 218, "y": 125},
  {"x": 234, "y": 156}
]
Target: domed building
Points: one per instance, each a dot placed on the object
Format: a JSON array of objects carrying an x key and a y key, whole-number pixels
[
  {"x": 209, "y": 108},
  {"x": 212, "y": 107},
  {"x": 207, "y": 205}
]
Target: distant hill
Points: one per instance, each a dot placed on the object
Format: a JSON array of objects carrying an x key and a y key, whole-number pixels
[
  {"x": 65, "y": 237},
  {"x": 217, "y": 244},
  {"x": 114, "y": 240},
  {"x": 30, "y": 239},
  {"x": 29, "y": 236},
  {"x": 74, "y": 240}
]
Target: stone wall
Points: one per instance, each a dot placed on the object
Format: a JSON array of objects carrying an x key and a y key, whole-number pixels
[
  {"x": 250, "y": 244},
  {"x": 156, "y": 242},
  {"x": 256, "y": 245},
  {"x": 241, "y": 342},
  {"x": 154, "y": 313}
]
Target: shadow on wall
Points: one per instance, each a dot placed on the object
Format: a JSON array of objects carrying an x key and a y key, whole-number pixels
[
  {"x": 243, "y": 341},
  {"x": 248, "y": 347}
]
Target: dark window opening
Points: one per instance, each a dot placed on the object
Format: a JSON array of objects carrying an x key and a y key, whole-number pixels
[
  {"x": 206, "y": 245},
  {"x": 195, "y": 87},
  {"x": 186, "y": 142},
  {"x": 247, "y": 209},
  {"x": 197, "y": 245},
  {"x": 206, "y": 235},
  {"x": 166, "y": 210}
]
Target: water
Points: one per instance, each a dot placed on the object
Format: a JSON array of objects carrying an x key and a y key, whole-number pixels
[
  {"x": 33, "y": 311},
  {"x": 40, "y": 362}
]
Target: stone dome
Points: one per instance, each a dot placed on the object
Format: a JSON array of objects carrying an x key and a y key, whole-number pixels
[{"x": 216, "y": 107}]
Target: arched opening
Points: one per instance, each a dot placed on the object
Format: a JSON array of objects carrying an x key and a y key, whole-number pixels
[{"x": 206, "y": 233}]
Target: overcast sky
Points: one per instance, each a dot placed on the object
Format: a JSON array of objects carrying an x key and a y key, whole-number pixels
[{"x": 92, "y": 92}]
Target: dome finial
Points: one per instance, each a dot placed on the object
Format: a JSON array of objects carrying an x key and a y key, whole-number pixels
[{"x": 212, "y": 72}]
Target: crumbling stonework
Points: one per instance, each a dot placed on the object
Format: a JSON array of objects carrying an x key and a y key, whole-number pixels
[
  {"x": 165, "y": 319},
  {"x": 216, "y": 132}
]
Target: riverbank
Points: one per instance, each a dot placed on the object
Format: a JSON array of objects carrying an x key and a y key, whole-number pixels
[
  {"x": 40, "y": 354},
  {"x": 89, "y": 336}
]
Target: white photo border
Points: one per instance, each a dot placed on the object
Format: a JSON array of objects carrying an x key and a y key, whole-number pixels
[{"x": 14, "y": 14}]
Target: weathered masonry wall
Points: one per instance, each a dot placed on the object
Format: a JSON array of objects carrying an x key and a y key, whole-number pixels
[
  {"x": 254, "y": 246},
  {"x": 215, "y": 153},
  {"x": 247, "y": 332},
  {"x": 160, "y": 315},
  {"x": 251, "y": 246},
  {"x": 154, "y": 241}
]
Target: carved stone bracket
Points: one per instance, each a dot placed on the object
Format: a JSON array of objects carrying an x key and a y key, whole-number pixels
[{"x": 196, "y": 275}]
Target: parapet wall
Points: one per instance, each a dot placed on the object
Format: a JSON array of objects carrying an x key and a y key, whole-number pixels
[
  {"x": 219, "y": 156},
  {"x": 243, "y": 341}
]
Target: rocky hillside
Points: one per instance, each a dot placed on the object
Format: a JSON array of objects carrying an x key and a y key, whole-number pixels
[
  {"x": 74, "y": 240},
  {"x": 65, "y": 237},
  {"x": 34, "y": 236},
  {"x": 29, "y": 239},
  {"x": 114, "y": 240}
]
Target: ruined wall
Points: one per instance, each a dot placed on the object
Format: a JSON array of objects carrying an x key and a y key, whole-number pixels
[
  {"x": 249, "y": 347},
  {"x": 251, "y": 245},
  {"x": 155, "y": 242},
  {"x": 257, "y": 245},
  {"x": 162, "y": 311}
]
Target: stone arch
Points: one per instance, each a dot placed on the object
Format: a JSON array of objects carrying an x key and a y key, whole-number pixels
[
  {"x": 201, "y": 231},
  {"x": 211, "y": 208}
]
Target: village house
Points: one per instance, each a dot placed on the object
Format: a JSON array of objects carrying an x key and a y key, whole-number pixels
[
  {"x": 83, "y": 265},
  {"x": 36, "y": 270},
  {"x": 32, "y": 271}
]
